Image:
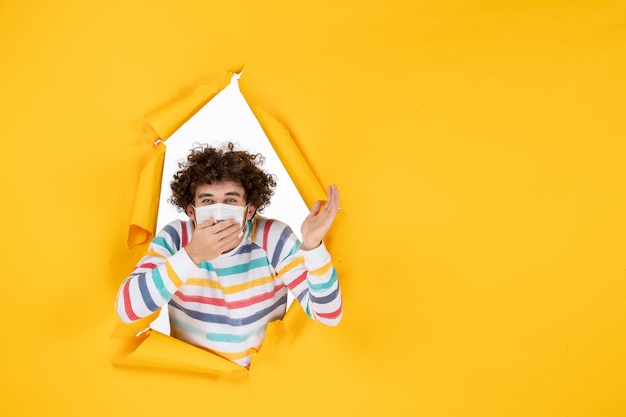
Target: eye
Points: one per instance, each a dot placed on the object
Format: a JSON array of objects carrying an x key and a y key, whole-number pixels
[
  {"x": 231, "y": 201},
  {"x": 207, "y": 201}
]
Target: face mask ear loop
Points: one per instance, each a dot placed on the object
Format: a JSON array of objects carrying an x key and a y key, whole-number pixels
[
  {"x": 244, "y": 222},
  {"x": 195, "y": 216}
]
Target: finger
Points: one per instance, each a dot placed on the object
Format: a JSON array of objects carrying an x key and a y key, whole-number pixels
[
  {"x": 316, "y": 208},
  {"x": 229, "y": 240},
  {"x": 333, "y": 198},
  {"x": 228, "y": 233},
  {"x": 207, "y": 223},
  {"x": 336, "y": 196},
  {"x": 329, "y": 193},
  {"x": 224, "y": 224},
  {"x": 330, "y": 207}
]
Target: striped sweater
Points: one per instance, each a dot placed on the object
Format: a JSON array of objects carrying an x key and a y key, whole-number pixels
[{"x": 224, "y": 305}]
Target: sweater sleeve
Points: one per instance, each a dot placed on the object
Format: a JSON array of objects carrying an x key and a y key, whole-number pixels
[
  {"x": 309, "y": 275},
  {"x": 157, "y": 276}
]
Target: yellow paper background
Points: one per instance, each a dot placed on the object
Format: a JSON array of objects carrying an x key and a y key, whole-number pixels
[{"x": 480, "y": 151}]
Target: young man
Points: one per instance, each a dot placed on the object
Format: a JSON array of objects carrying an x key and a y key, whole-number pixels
[{"x": 225, "y": 272}]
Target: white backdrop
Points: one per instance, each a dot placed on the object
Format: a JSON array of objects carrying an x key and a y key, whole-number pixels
[{"x": 227, "y": 117}]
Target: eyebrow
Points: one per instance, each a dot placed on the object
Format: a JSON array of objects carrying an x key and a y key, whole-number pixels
[{"x": 234, "y": 193}]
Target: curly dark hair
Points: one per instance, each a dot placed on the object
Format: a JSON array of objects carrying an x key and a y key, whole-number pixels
[{"x": 206, "y": 165}]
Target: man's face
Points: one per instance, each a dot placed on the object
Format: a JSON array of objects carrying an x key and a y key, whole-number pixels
[{"x": 224, "y": 192}]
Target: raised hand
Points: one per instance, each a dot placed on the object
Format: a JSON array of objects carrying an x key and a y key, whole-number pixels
[{"x": 321, "y": 218}]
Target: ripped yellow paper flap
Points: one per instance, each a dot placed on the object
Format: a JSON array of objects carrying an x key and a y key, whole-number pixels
[
  {"x": 161, "y": 124},
  {"x": 276, "y": 331},
  {"x": 166, "y": 120},
  {"x": 144, "y": 216},
  {"x": 290, "y": 155},
  {"x": 153, "y": 349}
]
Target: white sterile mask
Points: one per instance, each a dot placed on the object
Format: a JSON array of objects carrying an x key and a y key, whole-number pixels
[{"x": 220, "y": 212}]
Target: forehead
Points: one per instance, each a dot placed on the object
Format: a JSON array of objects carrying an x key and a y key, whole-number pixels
[{"x": 221, "y": 188}]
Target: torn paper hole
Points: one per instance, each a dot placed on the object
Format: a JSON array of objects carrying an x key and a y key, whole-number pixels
[{"x": 227, "y": 117}]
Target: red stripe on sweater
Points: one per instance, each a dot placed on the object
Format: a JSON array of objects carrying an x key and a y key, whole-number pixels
[
  {"x": 185, "y": 236},
  {"x": 297, "y": 281},
  {"x": 127, "y": 308},
  {"x": 149, "y": 265},
  {"x": 332, "y": 315},
  {"x": 230, "y": 304},
  {"x": 266, "y": 233}
]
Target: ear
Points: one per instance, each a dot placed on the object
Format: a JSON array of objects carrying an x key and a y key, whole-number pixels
[
  {"x": 251, "y": 212},
  {"x": 190, "y": 212}
]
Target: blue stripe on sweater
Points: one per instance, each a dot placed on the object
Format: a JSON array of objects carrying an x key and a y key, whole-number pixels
[
  {"x": 222, "y": 319},
  {"x": 295, "y": 248},
  {"x": 327, "y": 298},
  {"x": 145, "y": 293},
  {"x": 241, "y": 268},
  {"x": 247, "y": 248},
  {"x": 173, "y": 234},
  {"x": 326, "y": 285},
  {"x": 286, "y": 233},
  {"x": 158, "y": 282},
  {"x": 234, "y": 338},
  {"x": 244, "y": 249},
  {"x": 206, "y": 265},
  {"x": 216, "y": 337},
  {"x": 185, "y": 326},
  {"x": 160, "y": 241}
]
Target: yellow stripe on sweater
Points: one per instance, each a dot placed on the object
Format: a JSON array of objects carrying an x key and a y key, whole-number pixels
[
  {"x": 321, "y": 271},
  {"x": 172, "y": 275},
  {"x": 152, "y": 252},
  {"x": 298, "y": 261},
  {"x": 232, "y": 289}
]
